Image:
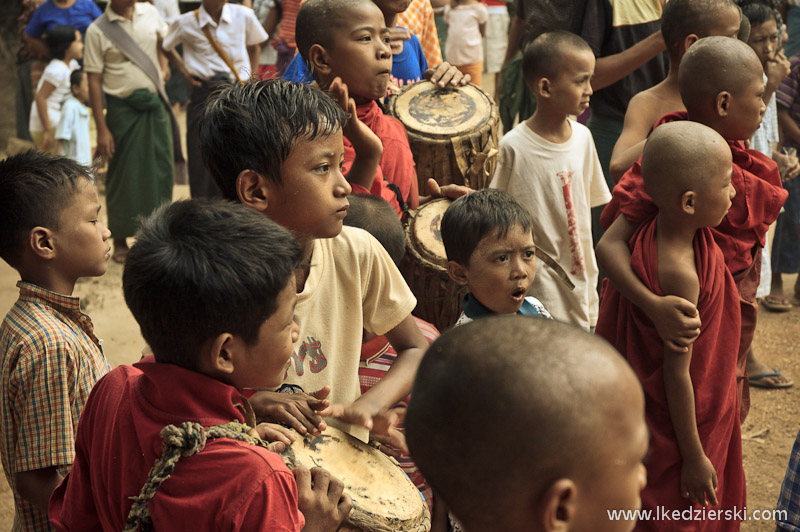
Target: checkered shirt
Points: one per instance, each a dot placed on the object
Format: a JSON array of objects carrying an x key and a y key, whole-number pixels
[
  {"x": 789, "y": 499},
  {"x": 50, "y": 361},
  {"x": 418, "y": 19}
]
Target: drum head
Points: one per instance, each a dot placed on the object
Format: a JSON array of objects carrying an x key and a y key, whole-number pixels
[
  {"x": 425, "y": 232},
  {"x": 384, "y": 498},
  {"x": 426, "y": 109}
]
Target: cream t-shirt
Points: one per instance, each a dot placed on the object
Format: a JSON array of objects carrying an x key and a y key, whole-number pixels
[
  {"x": 353, "y": 285},
  {"x": 559, "y": 184}
]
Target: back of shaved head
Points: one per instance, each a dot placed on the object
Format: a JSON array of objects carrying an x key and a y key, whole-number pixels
[
  {"x": 682, "y": 18},
  {"x": 681, "y": 156},
  {"x": 713, "y": 65},
  {"x": 504, "y": 406}
]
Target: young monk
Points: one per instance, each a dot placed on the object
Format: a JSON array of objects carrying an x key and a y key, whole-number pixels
[
  {"x": 721, "y": 85},
  {"x": 542, "y": 461},
  {"x": 683, "y": 22},
  {"x": 691, "y": 397}
]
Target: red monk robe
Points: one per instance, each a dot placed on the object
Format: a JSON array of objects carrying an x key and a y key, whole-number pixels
[
  {"x": 741, "y": 235},
  {"x": 712, "y": 370},
  {"x": 397, "y": 163}
]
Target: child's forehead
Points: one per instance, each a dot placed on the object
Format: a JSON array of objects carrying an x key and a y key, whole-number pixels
[
  {"x": 506, "y": 237},
  {"x": 355, "y": 15}
]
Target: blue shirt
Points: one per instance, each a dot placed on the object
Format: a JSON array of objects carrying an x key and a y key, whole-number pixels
[
  {"x": 79, "y": 16},
  {"x": 474, "y": 309}
]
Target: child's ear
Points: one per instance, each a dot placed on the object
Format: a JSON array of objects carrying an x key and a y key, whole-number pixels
[
  {"x": 722, "y": 103},
  {"x": 318, "y": 60},
  {"x": 42, "y": 242},
  {"x": 223, "y": 352},
  {"x": 688, "y": 41},
  {"x": 254, "y": 190},
  {"x": 560, "y": 507},
  {"x": 458, "y": 272},
  {"x": 689, "y": 202},
  {"x": 543, "y": 87}
]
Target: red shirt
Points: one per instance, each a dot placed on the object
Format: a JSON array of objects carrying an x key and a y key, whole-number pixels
[
  {"x": 397, "y": 162},
  {"x": 758, "y": 201},
  {"x": 229, "y": 485}
]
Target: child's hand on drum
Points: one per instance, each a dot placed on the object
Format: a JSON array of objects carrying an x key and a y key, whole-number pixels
[
  {"x": 447, "y": 191},
  {"x": 385, "y": 432},
  {"x": 446, "y": 73},
  {"x": 321, "y": 498},
  {"x": 298, "y": 410},
  {"x": 382, "y": 425},
  {"x": 280, "y": 436}
]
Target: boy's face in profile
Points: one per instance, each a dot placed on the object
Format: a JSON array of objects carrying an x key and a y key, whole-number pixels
[
  {"x": 572, "y": 87},
  {"x": 501, "y": 270},
  {"x": 714, "y": 201},
  {"x": 312, "y": 200},
  {"x": 746, "y": 106},
  {"x": 727, "y": 24},
  {"x": 360, "y": 53},
  {"x": 81, "y": 240},
  {"x": 265, "y": 363},
  {"x": 81, "y": 92}
]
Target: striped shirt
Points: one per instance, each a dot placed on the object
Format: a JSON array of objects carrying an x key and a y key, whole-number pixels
[
  {"x": 419, "y": 20},
  {"x": 51, "y": 358},
  {"x": 789, "y": 499},
  {"x": 787, "y": 94}
]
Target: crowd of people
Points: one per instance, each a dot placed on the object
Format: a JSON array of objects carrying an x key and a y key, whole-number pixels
[{"x": 649, "y": 146}]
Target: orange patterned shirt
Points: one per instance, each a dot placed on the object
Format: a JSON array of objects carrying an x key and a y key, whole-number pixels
[{"x": 418, "y": 19}]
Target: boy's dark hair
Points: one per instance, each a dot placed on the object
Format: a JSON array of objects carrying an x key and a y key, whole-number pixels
[
  {"x": 317, "y": 20},
  {"x": 543, "y": 57},
  {"x": 76, "y": 77},
  {"x": 200, "y": 268},
  {"x": 59, "y": 39},
  {"x": 758, "y": 13},
  {"x": 682, "y": 18},
  {"x": 378, "y": 218},
  {"x": 472, "y": 217},
  {"x": 254, "y": 126},
  {"x": 34, "y": 188}
]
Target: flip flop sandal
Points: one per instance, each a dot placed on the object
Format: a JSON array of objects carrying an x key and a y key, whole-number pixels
[
  {"x": 776, "y": 304},
  {"x": 756, "y": 381}
]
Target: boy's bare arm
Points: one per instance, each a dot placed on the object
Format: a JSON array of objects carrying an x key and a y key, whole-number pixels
[
  {"x": 698, "y": 478},
  {"x": 254, "y": 53},
  {"x": 105, "y": 142},
  {"x": 675, "y": 318},
  {"x": 37, "y": 485},
  {"x": 613, "y": 68},
  {"x": 629, "y": 146}
]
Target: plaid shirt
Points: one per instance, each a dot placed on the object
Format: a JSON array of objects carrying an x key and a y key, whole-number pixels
[
  {"x": 789, "y": 499},
  {"x": 51, "y": 360},
  {"x": 418, "y": 19}
]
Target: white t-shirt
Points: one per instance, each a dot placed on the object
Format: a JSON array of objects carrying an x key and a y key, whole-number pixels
[
  {"x": 73, "y": 132},
  {"x": 353, "y": 285},
  {"x": 559, "y": 184},
  {"x": 238, "y": 28},
  {"x": 57, "y": 74},
  {"x": 464, "y": 44}
]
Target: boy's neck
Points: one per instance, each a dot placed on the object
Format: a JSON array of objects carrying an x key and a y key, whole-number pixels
[
  {"x": 304, "y": 268},
  {"x": 47, "y": 278},
  {"x": 550, "y": 125},
  {"x": 675, "y": 230}
]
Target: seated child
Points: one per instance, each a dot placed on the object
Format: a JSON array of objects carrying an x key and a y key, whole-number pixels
[
  {"x": 721, "y": 85},
  {"x": 350, "y": 40},
  {"x": 212, "y": 287},
  {"x": 683, "y": 22},
  {"x": 488, "y": 239},
  {"x": 72, "y": 133},
  {"x": 51, "y": 358},
  {"x": 377, "y": 217},
  {"x": 276, "y": 147},
  {"x": 549, "y": 164},
  {"x": 65, "y": 46},
  {"x": 522, "y": 452},
  {"x": 692, "y": 406}
]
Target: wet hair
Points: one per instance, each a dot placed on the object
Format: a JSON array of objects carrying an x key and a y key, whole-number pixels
[
  {"x": 530, "y": 376},
  {"x": 76, "y": 77},
  {"x": 682, "y": 18},
  {"x": 758, "y": 13},
  {"x": 200, "y": 268},
  {"x": 254, "y": 126},
  {"x": 318, "y": 20},
  {"x": 59, "y": 39},
  {"x": 378, "y": 218},
  {"x": 472, "y": 217},
  {"x": 544, "y": 56},
  {"x": 35, "y": 188}
]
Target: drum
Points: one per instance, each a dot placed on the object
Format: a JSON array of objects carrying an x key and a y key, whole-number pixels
[
  {"x": 384, "y": 499},
  {"x": 424, "y": 267},
  {"x": 452, "y": 132}
]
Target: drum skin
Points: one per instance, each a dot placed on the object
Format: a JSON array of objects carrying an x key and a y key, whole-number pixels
[
  {"x": 424, "y": 267},
  {"x": 452, "y": 132},
  {"x": 384, "y": 498}
]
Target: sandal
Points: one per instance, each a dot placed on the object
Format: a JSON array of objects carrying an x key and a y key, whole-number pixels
[
  {"x": 776, "y": 303},
  {"x": 757, "y": 381}
]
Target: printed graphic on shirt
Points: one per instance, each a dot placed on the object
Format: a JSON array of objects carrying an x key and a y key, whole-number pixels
[
  {"x": 577, "y": 264},
  {"x": 310, "y": 349}
]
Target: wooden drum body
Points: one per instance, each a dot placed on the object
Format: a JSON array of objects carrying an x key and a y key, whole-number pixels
[
  {"x": 425, "y": 267},
  {"x": 384, "y": 499},
  {"x": 452, "y": 132}
]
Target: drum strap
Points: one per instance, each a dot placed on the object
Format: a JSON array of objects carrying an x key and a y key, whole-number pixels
[
  {"x": 400, "y": 201},
  {"x": 188, "y": 439}
]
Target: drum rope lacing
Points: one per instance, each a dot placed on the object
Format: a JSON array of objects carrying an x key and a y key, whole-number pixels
[{"x": 188, "y": 439}]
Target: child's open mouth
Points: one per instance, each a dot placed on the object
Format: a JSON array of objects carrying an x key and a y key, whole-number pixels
[{"x": 518, "y": 294}]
